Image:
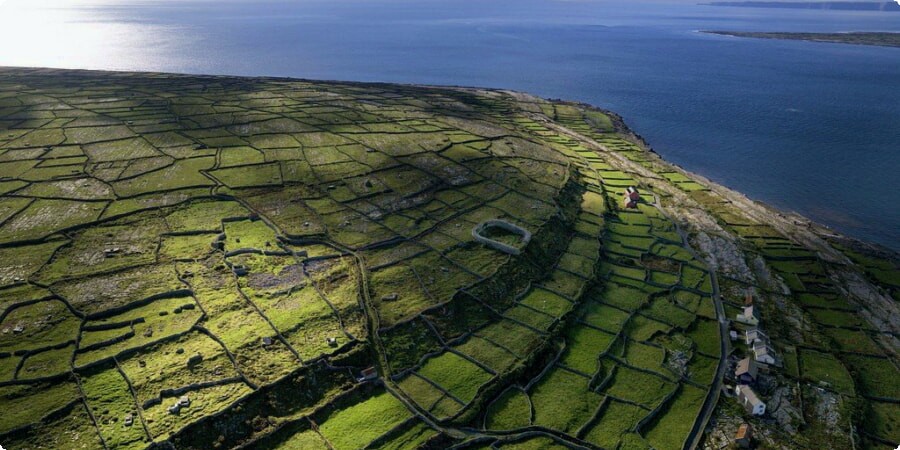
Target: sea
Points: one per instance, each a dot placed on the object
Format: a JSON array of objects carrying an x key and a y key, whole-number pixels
[{"x": 803, "y": 126}]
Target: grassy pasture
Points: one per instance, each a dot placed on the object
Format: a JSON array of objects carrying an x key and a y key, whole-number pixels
[
  {"x": 98, "y": 293},
  {"x": 639, "y": 387},
  {"x": 69, "y": 429},
  {"x": 358, "y": 425},
  {"x": 136, "y": 242},
  {"x": 303, "y": 440},
  {"x": 874, "y": 376},
  {"x": 664, "y": 310},
  {"x": 510, "y": 411},
  {"x": 413, "y": 436},
  {"x": 108, "y": 397},
  {"x": 181, "y": 174},
  {"x": 670, "y": 429},
  {"x": 402, "y": 281},
  {"x": 32, "y": 402},
  {"x": 148, "y": 323},
  {"x": 332, "y": 172},
  {"x": 43, "y": 217},
  {"x": 425, "y": 394},
  {"x": 491, "y": 355},
  {"x": 564, "y": 282},
  {"x": 517, "y": 338},
  {"x": 604, "y": 317},
  {"x": 530, "y": 317},
  {"x": 836, "y": 318},
  {"x": 457, "y": 375},
  {"x": 705, "y": 333},
  {"x": 186, "y": 247},
  {"x": 823, "y": 367},
  {"x": 562, "y": 401},
  {"x": 46, "y": 363},
  {"x": 644, "y": 356},
  {"x": 583, "y": 348},
  {"x": 267, "y": 174},
  {"x": 883, "y": 420},
  {"x": 46, "y": 323},
  {"x": 407, "y": 343},
  {"x": 623, "y": 297},
  {"x": 641, "y": 328},
  {"x": 853, "y": 341},
  {"x": 615, "y": 419}
]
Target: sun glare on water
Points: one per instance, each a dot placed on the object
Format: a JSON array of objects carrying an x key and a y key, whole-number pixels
[{"x": 74, "y": 34}]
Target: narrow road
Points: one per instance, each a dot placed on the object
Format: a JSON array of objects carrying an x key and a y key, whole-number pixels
[
  {"x": 712, "y": 398},
  {"x": 715, "y": 389}
]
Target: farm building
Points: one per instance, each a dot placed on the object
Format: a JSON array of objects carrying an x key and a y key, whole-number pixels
[
  {"x": 750, "y": 401},
  {"x": 746, "y": 371},
  {"x": 367, "y": 374},
  {"x": 764, "y": 353},
  {"x": 755, "y": 335},
  {"x": 744, "y": 436},
  {"x": 749, "y": 316},
  {"x": 632, "y": 196}
]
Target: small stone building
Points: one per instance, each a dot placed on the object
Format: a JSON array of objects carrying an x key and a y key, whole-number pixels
[
  {"x": 632, "y": 197},
  {"x": 764, "y": 353},
  {"x": 744, "y": 436},
  {"x": 754, "y": 335},
  {"x": 367, "y": 374},
  {"x": 749, "y": 316}
]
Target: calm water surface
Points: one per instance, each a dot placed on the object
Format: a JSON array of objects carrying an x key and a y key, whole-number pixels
[{"x": 808, "y": 127}]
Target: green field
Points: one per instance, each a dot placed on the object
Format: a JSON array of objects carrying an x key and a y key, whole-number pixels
[{"x": 216, "y": 262}]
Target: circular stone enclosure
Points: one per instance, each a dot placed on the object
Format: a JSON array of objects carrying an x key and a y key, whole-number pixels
[{"x": 502, "y": 235}]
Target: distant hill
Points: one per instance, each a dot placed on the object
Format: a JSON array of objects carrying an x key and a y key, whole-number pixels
[
  {"x": 858, "y": 38},
  {"x": 843, "y": 6}
]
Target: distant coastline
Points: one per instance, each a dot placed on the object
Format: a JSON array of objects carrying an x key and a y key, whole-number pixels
[
  {"x": 842, "y": 6},
  {"x": 882, "y": 39}
]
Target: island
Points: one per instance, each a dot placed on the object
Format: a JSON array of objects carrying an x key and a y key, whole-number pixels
[
  {"x": 201, "y": 262},
  {"x": 890, "y": 6},
  {"x": 883, "y": 39}
]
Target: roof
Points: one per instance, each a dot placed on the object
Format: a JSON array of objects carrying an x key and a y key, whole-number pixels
[
  {"x": 743, "y": 431},
  {"x": 750, "y": 396},
  {"x": 756, "y": 333},
  {"x": 762, "y": 347},
  {"x": 750, "y": 311},
  {"x": 746, "y": 366},
  {"x": 632, "y": 193}
]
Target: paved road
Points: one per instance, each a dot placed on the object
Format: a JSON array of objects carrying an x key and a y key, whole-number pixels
[{"x": 712, "y": 398}]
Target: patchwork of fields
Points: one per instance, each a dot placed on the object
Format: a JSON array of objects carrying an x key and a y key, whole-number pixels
[{"x": 212, "y": 262}]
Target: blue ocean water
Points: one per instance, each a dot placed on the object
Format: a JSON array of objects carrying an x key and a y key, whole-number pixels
[{"x": 809, "y": 127}]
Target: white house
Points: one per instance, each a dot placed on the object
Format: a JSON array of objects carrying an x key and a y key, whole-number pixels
[
  {"x": 755, "y": 335},
  {"x": 764, "y": 353},
  {"x": 749, "y": 316},
  {"x": 750, "y": 401}
]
